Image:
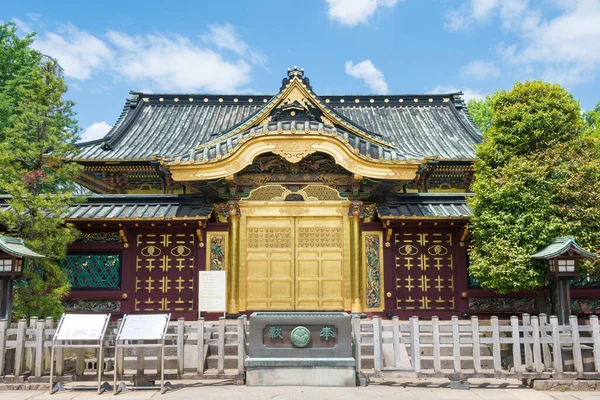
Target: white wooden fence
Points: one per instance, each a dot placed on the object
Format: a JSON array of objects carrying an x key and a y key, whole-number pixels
[
  {"x": 533, "y": 347},
  {"x": 220, "y": 352},
  {"x": 530, "y": 348}
]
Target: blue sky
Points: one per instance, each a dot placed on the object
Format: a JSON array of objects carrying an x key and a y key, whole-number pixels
[{"x": 345, "y": 46}]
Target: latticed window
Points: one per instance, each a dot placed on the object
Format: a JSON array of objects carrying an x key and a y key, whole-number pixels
[{"x": 94, "y": 270}]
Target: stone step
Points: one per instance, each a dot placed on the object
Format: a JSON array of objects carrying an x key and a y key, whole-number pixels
[
  {"x": 466, "y": 350},
  {"x": 230, "y": 349},
  {"x": 368, "y": 362},
  {"x": 230, "y": 361}
]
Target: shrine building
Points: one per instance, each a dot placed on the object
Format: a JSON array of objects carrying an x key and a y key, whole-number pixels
[{"x": 308, "y": 201}]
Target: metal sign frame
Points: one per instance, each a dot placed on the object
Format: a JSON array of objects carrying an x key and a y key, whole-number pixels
[
  {"x": 77, "y": 344},
  {"x": 159, "y": 343}
]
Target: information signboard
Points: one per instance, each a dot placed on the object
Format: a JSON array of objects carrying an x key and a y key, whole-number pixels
[
  {"x": 212, "y": 291},
  {"x": 144, "y": 327},
  {"x": 82, "y": 327}
]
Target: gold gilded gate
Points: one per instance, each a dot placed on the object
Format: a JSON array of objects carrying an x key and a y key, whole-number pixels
[{"x": 295, "y": 263}]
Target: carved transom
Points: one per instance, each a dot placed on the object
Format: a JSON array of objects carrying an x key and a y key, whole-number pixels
[{"x": 280, "y": 193}]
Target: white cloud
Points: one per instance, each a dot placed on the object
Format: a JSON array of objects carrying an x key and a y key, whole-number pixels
[
  {"x": 78, "y": 52},
  {"x": 514, "y": 14},
  {"x": 372, "y": 76},
  {"x": 218, "y": 62},
  {"x": 480, "y": 70},
  {"x": 224, "y": 36},
  {"x": 96, "y": 130},
  {"x": 22, "y": 25},
  {"x": 354, "y": 12},
  {"x": 468, "y": 94},
  {"x": 177, "y": 64},
  {"x": 562, "y": 47}
]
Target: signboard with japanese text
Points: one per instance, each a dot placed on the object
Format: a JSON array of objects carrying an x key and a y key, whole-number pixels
[{"x": 212, "y": 291}]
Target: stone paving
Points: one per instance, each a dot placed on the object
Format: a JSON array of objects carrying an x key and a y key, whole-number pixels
[{"x": 407, "y": 390}]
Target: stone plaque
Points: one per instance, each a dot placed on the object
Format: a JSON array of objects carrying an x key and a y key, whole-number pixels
[
  {"x": 82, "y": 327},
  {"x": 144, "y": 327}
]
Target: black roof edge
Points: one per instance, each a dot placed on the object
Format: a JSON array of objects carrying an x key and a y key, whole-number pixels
[{"x": 430, "y": 197}]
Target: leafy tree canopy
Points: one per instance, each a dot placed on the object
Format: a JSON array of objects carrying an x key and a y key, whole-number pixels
[
  {"x": 533, "y": 116},
  {"x": 40, "y": 122},
  {"x": 481, "y": 112},
  {"x": 537, "y": 177}
]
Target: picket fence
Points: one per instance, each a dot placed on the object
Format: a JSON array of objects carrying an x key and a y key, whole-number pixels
[
  {"x": 531, "y": 348},
  {"x": 534, "y": 347},
  {"x": 193, "y": 349}
]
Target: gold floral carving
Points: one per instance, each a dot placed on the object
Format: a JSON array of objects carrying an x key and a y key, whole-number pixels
[
  {"x": 319, "y": 237},
  {"x": 294, "y": 211},
  {"x": 293, "y": 151},
  {"x": 269, "y": 238}
]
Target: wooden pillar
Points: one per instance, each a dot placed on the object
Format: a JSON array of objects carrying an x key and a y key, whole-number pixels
[
  {"x": 356, "y": 264},
  {"x": 234, "y": 257}
]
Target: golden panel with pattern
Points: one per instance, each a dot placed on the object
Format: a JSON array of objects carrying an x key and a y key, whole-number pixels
[{"x": 269, "y": 237}]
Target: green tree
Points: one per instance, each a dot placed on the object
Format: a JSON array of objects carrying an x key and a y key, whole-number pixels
[
  {"x": 592, "y": 121},
  {"x": 40, "y": 193},
  {"x": 537, "y": 177},
  {"x": 481, "y": 112},
  {"x": 17, "y": 60},
  {"x": 533, "y": 116}
]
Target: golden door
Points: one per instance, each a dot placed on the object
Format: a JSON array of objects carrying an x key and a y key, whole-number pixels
[{"x": 295, "y": 263}]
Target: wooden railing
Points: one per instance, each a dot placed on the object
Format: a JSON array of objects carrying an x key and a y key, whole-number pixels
[
  {"x": 533, "y": 347},
  {"x": 530, "y": 348},
  {"x": 220, "y": 352}
]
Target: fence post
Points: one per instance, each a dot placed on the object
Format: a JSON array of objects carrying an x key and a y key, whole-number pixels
[
  {"x": 595, "y": 338},
  {"x": 241, "y": 326},
  {"x": 415, "y": 344},
  {"x": 514, "y": 323},
  {"x": 357, "y": 341},
  {"x": 200, "y": 345},
  {"x": 39, "y": 347},
  {"x": 397, "y": 337},
  {"x": 4, "y": 326},
  {"x": 556, "y": 347},
  {"x": 221, "y": 346},
  {"x": 547, "y": 355},
  {"x": 120, "y": 353},
  {"x": 47, "y": 360},
  {"x": 577, "y": 358},
  {"x": 30, "y": 351},
  {"x": 435, "y": 328},
  {"x": 377, "y": 345},
  {"x": 537, "y": 351},
  {"x": 526, "y": 346},
  {"x": 476, "y": 344},
  {"x": 180, "y": 348},
  {"x": 496, "y": 344},
  {"x": 20, "y": 350},
  {"x": 455, "y": 344}
]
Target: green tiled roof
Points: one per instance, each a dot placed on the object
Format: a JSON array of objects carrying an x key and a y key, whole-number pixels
[
  {"x": 561, "y": 245},
  {"x": 16, "y": 247}
]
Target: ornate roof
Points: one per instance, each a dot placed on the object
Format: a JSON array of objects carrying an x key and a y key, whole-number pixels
[
  {"x": 561, "y": 246},
  {"x": 206, "y": 127},
  {"x": 135, "y": 207},
  {"x": 423, "y": 205}
]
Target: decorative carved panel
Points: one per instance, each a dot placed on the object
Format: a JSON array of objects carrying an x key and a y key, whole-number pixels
[
  {"x": 502, "y": 303},
  {"x": 319, "y": 237},
  {"x": 164, "y": 272},
  {"x": 424, "y": 270},
  {"x": 270, "y": 238},
  {"x": 216, "y": 256},
  {"x": 374, "y": 279}
]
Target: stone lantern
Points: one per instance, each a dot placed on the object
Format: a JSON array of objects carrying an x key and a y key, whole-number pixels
[
  {"x": 561, "y": 258},
  {"x": 12, "y": 257}
]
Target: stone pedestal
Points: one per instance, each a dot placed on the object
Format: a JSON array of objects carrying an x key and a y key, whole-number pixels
[{"x": 300, "y": 348}]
